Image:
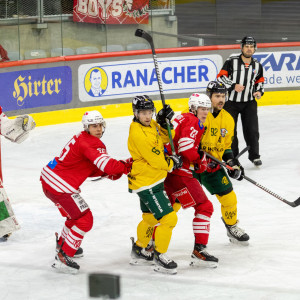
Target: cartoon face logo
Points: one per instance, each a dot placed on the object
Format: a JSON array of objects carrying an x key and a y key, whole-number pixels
[
  {"x": 95, "y": 82},
  {"x": 223, "y": 132}
]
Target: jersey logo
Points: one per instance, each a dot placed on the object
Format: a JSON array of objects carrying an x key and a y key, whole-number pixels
[
  {"x": 223, "y": 132},
  {"x": 200, "y": 124},
  {"x": 225, "y": 180},
  {"x": 52, "y": 164}
]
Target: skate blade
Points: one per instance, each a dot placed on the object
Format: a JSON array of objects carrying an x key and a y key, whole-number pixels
[
  {"x": 236, "y": 242},
  {"x": 62, "y": 268},
  {"x": 140, "y": 262},
  {"x": 163, "y": 270},
  {"x": 196, "y": 262},
  {"x": 78, "y": 255},
  {"x": 75, "y": 255}
]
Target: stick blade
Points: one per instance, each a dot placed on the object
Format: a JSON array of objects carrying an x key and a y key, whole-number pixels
[
  {"x": 145, "y": 35},
  {"x": 297, "y": 202},
  {"x": 139, "y": 32}
]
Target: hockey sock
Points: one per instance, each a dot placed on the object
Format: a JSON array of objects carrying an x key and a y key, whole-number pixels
[
  {"x": 145, "y": 230},
  {"x": 201, "y": 228},
  {"x": 63, "y": 234},
  {"x": 229, "y": 207},
  {"x": 79, "y": 229},
  {"x": 73, "y": 241},
  {"x": 176, "y": 206},
  {"x": 163, "y": 232}
]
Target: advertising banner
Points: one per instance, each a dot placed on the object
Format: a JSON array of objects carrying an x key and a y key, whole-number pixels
[
  {"x": 35, "y": 88},
  {"x": 111, "y": 11},
  {"x": 281, "y": 69},
  {"x": 121, "y": 79}
]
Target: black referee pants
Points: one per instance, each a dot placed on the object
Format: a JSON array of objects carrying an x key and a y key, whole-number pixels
[{"x": 248, "y": 111}]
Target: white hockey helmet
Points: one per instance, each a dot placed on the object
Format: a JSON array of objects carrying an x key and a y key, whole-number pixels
[
  {"x": 92, "y": 117},
  {"x": 198, "y": 100}
]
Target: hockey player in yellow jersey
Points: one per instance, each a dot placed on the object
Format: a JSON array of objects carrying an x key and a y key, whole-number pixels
[
  {"x": 149, "y": 169},
  {"x": 217, "y": 139}
]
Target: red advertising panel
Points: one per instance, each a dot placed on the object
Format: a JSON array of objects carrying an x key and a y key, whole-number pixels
[{"x": 111, "y": 11}]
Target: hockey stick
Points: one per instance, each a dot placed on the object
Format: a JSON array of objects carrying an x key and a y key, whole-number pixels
[
  {"x": 292, "y": 204},
  {"x": 99, "y": 178},
  {"x": 242, "y": 152},
  {"x": 143, "y": 34}
]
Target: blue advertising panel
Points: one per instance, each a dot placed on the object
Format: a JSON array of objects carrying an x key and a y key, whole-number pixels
[{"x": 35, "y": 88}]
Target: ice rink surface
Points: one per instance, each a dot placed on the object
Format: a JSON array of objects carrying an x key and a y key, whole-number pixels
[{"x": 269, "y": 268}]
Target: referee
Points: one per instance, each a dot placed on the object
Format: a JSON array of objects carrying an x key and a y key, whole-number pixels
[{"x": 243, "y": 77}]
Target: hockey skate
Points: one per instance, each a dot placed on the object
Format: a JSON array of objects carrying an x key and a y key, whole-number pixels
[
  {"x": 150, "y": 246},
  {"x": 78, "y": 253},
  {"x": 236, "y": 234},
  {"x": 164, "y": 264},
  {"x": 5, "y": 237},
  {"x": 200, "y": 257},
  {"x": 140, "y": 256},
  {"x": 64, "y": 264}
]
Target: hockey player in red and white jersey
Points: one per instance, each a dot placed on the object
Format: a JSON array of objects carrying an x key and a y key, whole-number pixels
[
  {"x": 182, "y": 188},
  {"x": 83, "y": 156},
  {"x": 16, "y": 130}
]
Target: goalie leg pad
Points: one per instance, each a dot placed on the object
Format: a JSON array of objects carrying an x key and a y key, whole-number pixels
[{"x": 8, "y": 221}]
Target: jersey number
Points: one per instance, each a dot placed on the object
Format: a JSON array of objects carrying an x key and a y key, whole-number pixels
[
  {"x": 65, "y": 151},
  {"x": 193, "y": 132},
  {"x": 156, "y": 151},
  {"x": 214, "y": 131}
]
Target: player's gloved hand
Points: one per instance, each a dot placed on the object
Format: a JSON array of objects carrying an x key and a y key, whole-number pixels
[
  {"x": 238, "y": 171},
  {"x": 212, "y": 166},
  {"x": 201, "y": 164},
  {"x": 26, "y": 122},
  {"x": 165, "y": 113},
  {"x": 128, "y": 165},
  {"x": 177, "y": 161}
]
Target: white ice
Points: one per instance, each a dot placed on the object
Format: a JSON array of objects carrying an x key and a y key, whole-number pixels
[{"x": 269, "y": 268}]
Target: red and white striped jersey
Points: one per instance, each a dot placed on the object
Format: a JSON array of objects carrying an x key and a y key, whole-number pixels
[
  {"x": 84, "y": 156},
  {"x": 188, "y": 133}
]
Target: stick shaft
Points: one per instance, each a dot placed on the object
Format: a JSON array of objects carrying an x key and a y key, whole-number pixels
[
  {"x": 293, "y": 204},
  {"x": 149, "y": 39}
]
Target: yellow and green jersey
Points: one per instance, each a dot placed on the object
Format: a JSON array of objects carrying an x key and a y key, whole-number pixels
[
  {"x": 218, "y": 135},
  {"x": 146, "y": 146}
]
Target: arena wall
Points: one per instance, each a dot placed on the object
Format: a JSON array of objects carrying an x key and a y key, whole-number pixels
[{"x": 58, "y": 90}]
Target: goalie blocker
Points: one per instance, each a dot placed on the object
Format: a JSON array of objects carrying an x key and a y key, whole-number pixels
[{"x": 16, "y": 130}]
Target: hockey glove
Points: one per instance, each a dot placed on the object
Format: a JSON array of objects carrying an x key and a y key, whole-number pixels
[
  {"x": 212, "y": 166},
  {"x": 201, "y": 164},
  {"x": 177, "y": 162},
  {"x": 238, "y": 171},
  {"x": 165, "y": 113},
  {"x": 128, "y": 164},
  {"x": 27, "y": 122}
]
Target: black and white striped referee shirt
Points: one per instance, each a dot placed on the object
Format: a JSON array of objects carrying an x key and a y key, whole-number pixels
[{"x": 235, "y": 71}]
